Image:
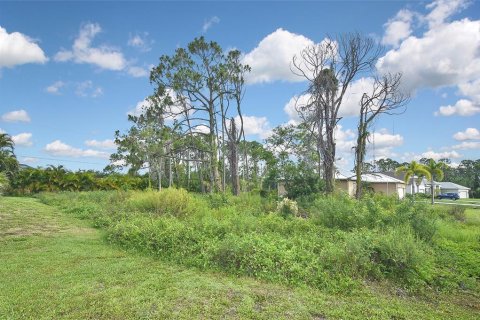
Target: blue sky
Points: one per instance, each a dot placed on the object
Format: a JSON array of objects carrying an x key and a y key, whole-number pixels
[{"x": 71, "y": 71}]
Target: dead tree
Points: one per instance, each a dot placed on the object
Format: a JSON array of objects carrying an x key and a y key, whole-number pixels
[
  {"x": 330, "y": 67},
  {"x": 385, "y": 97}
]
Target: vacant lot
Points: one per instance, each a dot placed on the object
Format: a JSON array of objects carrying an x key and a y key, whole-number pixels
[{"x": 56, "y": 266}]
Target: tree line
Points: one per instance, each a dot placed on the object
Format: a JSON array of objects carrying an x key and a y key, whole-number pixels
[{"x": 191, "y": 128}]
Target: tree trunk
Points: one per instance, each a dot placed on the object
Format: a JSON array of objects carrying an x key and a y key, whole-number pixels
[{"x": 233, "y": 157}]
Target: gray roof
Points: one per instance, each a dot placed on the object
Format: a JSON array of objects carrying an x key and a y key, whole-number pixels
[
  {"x": 451, "y": 185},
  {"x": 370, "y": 177}
]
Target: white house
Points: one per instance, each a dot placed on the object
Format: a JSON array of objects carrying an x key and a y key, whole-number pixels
[
  {"x": 423, "y": 186},
  {"x": 446, "y": 187}
]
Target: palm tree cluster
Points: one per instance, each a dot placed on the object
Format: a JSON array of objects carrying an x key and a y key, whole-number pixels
[
  {"x": 57, "y": 178},
  {"x": 415, "y": 172}
]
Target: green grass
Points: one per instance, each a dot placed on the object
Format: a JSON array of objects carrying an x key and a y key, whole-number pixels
[{"x": 56, "y": 266}]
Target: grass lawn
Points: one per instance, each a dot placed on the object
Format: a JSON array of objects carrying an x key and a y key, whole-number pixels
[{"x": 55, "y": 266}]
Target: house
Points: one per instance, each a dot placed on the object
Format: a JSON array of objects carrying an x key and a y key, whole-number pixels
[
  {"x": 420, "y": 186},
  {"x": 379, "y": 182},
  {"x": 424, "y": 186},
  {"x": 446, "y": 187}
]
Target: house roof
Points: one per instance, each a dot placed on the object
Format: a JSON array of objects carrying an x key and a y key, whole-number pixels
[
  {"x": 451, "y": 185},
  {"x": 375, "y": 177}
]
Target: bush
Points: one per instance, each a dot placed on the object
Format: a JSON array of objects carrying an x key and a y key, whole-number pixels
[
  {"x": 342, "y": 243},
  {"x": 175, "y": 202},
  {"x": 402, "y": 257},
  {"x": 287, "y": 208}
]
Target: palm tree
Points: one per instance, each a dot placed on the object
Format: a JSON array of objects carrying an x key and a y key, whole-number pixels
[
  {"x": 6, "y": 143},
  {"x": 411, "y": 170},
  {"x": 436, "y": 170},
  {"x": 8, "y": 161}
]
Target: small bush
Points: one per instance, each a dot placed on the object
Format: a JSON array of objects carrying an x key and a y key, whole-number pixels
[
  {"x": 175, "y": 202},
  {"x": 458, "y": 213},
  {"x": 287, "y": 208}
]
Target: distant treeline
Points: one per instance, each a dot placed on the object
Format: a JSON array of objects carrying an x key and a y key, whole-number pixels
[{"x": 33, "y": 180}]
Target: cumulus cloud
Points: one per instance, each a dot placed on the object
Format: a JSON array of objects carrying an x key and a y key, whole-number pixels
[
  {"x": 23, "y": 139},
  {"x": 270, "y": 60},
  {"x": 29, "y": 160},
  {"x": 462, "y": 107},
  {"x": 471, "y": 90},
  {"x": 17, "y": 49},
  {"x": 440, "y": 155},
  {"x": 16, "y": 116},
  {"x": 255, "y": 126},
  {"x": 465, "y": 145},
  {"x": 398, "y": 28},
  {"x": 140, "y": 41},
  {"x": 468, "y": 134},
  {"x": 55, "y": 87},
  {"x": 209, "y": 23},
  {"x": 87, "y": 89},
  {"x": 58, "y": 148},
  {"x": 104, "y": 144},
  {"x": 82, "y": 51},
  {"x": 434, "y": 59},
  {"x": 138, "y": 72},
  {"x": 441, "y": 10}
]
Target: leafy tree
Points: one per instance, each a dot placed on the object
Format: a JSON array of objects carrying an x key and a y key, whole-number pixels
[
  {"x": 8, "y": 161},
  {"x": 411, "y": 170},
  {"x": 202, "y": 81},
  {"x": 436, "y": 172}
]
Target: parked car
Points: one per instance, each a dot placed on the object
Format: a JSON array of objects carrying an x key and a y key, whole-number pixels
[{"x": 449, "y": 195}]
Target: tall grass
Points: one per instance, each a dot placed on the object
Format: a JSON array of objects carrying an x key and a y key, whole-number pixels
[{"x": 338, "y": 243}]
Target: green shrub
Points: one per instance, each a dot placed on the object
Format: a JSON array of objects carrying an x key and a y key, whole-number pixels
[
  {"x": 402, "y": 257},
  {"x": 175, "y": 202},
  {"x": 287, "y": 208}
]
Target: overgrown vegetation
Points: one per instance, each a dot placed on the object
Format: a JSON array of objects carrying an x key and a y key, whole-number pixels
[
  {"x": 55, "y": 266},
  {"x": 335, "y": 243}
]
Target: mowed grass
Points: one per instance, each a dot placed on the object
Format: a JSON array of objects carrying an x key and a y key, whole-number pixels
[{"x": 55, "y": 266}]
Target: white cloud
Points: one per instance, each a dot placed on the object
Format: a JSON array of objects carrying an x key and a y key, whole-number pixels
[
  {"x": 398, "y": 28},
  {"x": 17, "y": 49},
  {"x": 16, "y": 116},
  {"x": 383, "y": 139},
  {"x": 105, "y": 144},
  {"x": 471, "y": 89},
  {"x": 468, "y": 134},
  {"x": 23, "y": 139},
  {"x": 271, "y": 59},
  {"x": 442, "y": 10},
  {"x": 58, "y": 148},
  {"x": 443, "y": 56},
  {"x": 292, "y": 104},
  {"x": 255, "y": 126},
  {"x": 140, "y": 41},
  {"x": 29, "y": 160},
  {"x": 82, "y": 51},
  {"x": 138, "y": 72},
  {"x": 209, "y": 23},
  {"x": 2, "y": 131},
  {"x": 55, "y": 87},
  {"x": 87, "y": 89},
  {"x": 467, "y": 145},
  {"x": 345, "y": 140},
  {"x": 440, "y": 155},
  {"x": 462, "y": 107},
  {"x": 351, "y": 101}
]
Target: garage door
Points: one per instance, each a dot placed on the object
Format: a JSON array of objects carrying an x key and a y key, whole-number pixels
[{"x": 463, "y": 194}]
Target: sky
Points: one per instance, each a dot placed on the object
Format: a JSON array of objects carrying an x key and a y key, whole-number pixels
[{"x": 70, "y": 72}]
